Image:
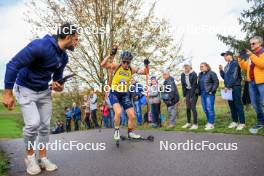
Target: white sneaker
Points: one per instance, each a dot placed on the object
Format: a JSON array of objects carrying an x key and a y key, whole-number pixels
[
  {"x": 133, "y": 135},
  {"x": 194, "y": 127},
  {"x": 209, "y": 127},
  {"x": 240, "y": 127},
  {"x": 117, "y": 135},
  {"x": 233, "y": 125},
  {"x": 32, "y": 165},
  {"x": 44, "y": 163},
  {"x": 187, "y": 125}
]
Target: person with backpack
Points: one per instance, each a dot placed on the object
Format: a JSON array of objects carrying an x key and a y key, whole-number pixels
[
  {"x": 154, "y": 101},
  {"x": 170, "y": 97},
  {"x": 189, "y": 89},
  {"x": 93, "y": 107},
  {"x": 119, "y": 94},
  {"x": 207, "y": 86}
]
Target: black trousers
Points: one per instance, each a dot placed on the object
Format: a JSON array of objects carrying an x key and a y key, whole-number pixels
[
  {"x": 87, "y": 120},
  {"x": 94, "y": 118},
  {"x": 191, "y": 101},
  {"x": 76, "y": 124},
  {"x": 68, "y": 125},
  {"x": 156, "y": 113}
]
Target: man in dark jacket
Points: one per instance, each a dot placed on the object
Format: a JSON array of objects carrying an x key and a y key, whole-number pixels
[
  {"x": 232, "y": 80},
  {"x": 170, "y": 97},
  {"x": 207, "y": 86},
  {"x": 29, "y": 73},
  {"x": 189, "y": 88}
]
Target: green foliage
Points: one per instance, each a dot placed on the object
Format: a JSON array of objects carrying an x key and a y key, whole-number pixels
[
  {"x": 3, "y": 163},
  {"x": 252, "y": 23}
]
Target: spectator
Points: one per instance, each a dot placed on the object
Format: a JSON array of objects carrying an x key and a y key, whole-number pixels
[
  {"x": 105, "y": 113},
  {"x": 61, "y": 125},
  {"x": 208, "y": 84},
  {"x": 136, "y": 93},
  {"x": 87, "y": 111},
  {"x": 232, "y": 80},
  {"x": 189, "y": 88},
  {"x": 111, "y": 112},
  {"x": 170, "y": 96},
  {"x": 93, "y": 107},
  {"x": 76, "y": 114},
  {"x": 59, "y": 128},
  {"x": 253, "y": 64},
  {"x": 68, "y": 116},
  {"x": 154, "y": 101}
]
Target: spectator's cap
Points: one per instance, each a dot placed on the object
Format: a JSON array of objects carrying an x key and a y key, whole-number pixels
[
  {"x": 187, "y": 63},
  {"x": 153, "y": 78},
  {"x": 228, "y": 53}
]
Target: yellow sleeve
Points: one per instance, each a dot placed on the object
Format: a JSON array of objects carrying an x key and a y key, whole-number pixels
[
  {"x": 258, "y": 61},
  {"x": 243, "y": 64}
]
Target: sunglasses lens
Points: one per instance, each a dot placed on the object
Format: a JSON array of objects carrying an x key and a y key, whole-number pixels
[
  {"x": 252, "y": 43},
  {"x": 126, "y": 62}
]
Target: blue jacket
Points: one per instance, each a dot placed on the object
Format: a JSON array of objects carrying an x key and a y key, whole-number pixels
[
  {"x": 231, "y": 74},
  {"x": 68, "y": 114},
  {"x": 36, "y": 64},
  {"x": 76, "y": 113}
]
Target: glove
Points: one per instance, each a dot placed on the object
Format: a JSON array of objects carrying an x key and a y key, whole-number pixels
[
  {"x": 146, "y": 62},
  {"x": 113, "y": 51}
]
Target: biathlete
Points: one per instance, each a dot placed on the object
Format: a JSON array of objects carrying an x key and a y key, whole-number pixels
[{"x": 119, "y": 93}]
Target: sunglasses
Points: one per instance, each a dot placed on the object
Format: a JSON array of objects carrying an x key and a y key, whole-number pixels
[
  {"x": 252, "y": 44},
  {"x": 126, "y": 62}
]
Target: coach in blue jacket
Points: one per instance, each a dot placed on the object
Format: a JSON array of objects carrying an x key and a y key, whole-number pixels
[
  {"x": 29, "y": 73},
  {"x": 232, "y": 80}
]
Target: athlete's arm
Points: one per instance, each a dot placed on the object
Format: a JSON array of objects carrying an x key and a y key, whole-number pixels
[{"x": 109, "y": 65}]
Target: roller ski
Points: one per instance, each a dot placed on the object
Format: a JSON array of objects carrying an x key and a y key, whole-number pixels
[{"x": 135, "y": 137}]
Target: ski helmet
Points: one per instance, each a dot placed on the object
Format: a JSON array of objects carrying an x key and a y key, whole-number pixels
[{"x": 126, "y": 55}]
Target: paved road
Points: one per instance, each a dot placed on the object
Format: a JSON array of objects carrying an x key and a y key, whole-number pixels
[{"x": 144, "y": 158}]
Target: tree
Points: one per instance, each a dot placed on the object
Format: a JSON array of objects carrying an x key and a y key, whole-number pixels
[
  {"x": 105, "y": 23},
  {"x": 252, "y": 22}
]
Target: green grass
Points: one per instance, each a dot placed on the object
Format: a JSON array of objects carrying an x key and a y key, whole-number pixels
[
  {"x": 10, "y": 127},
  {"x": 3, "y": 164},
  {"x": 11, "y": 123}
]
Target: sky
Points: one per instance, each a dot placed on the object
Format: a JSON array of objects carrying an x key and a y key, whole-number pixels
[{"x": 197, "y": 22}]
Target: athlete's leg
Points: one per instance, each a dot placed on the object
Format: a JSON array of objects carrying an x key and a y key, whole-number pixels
[
  {"x": 131, "y": 118},
  {"x": 117, "y": 109}
]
